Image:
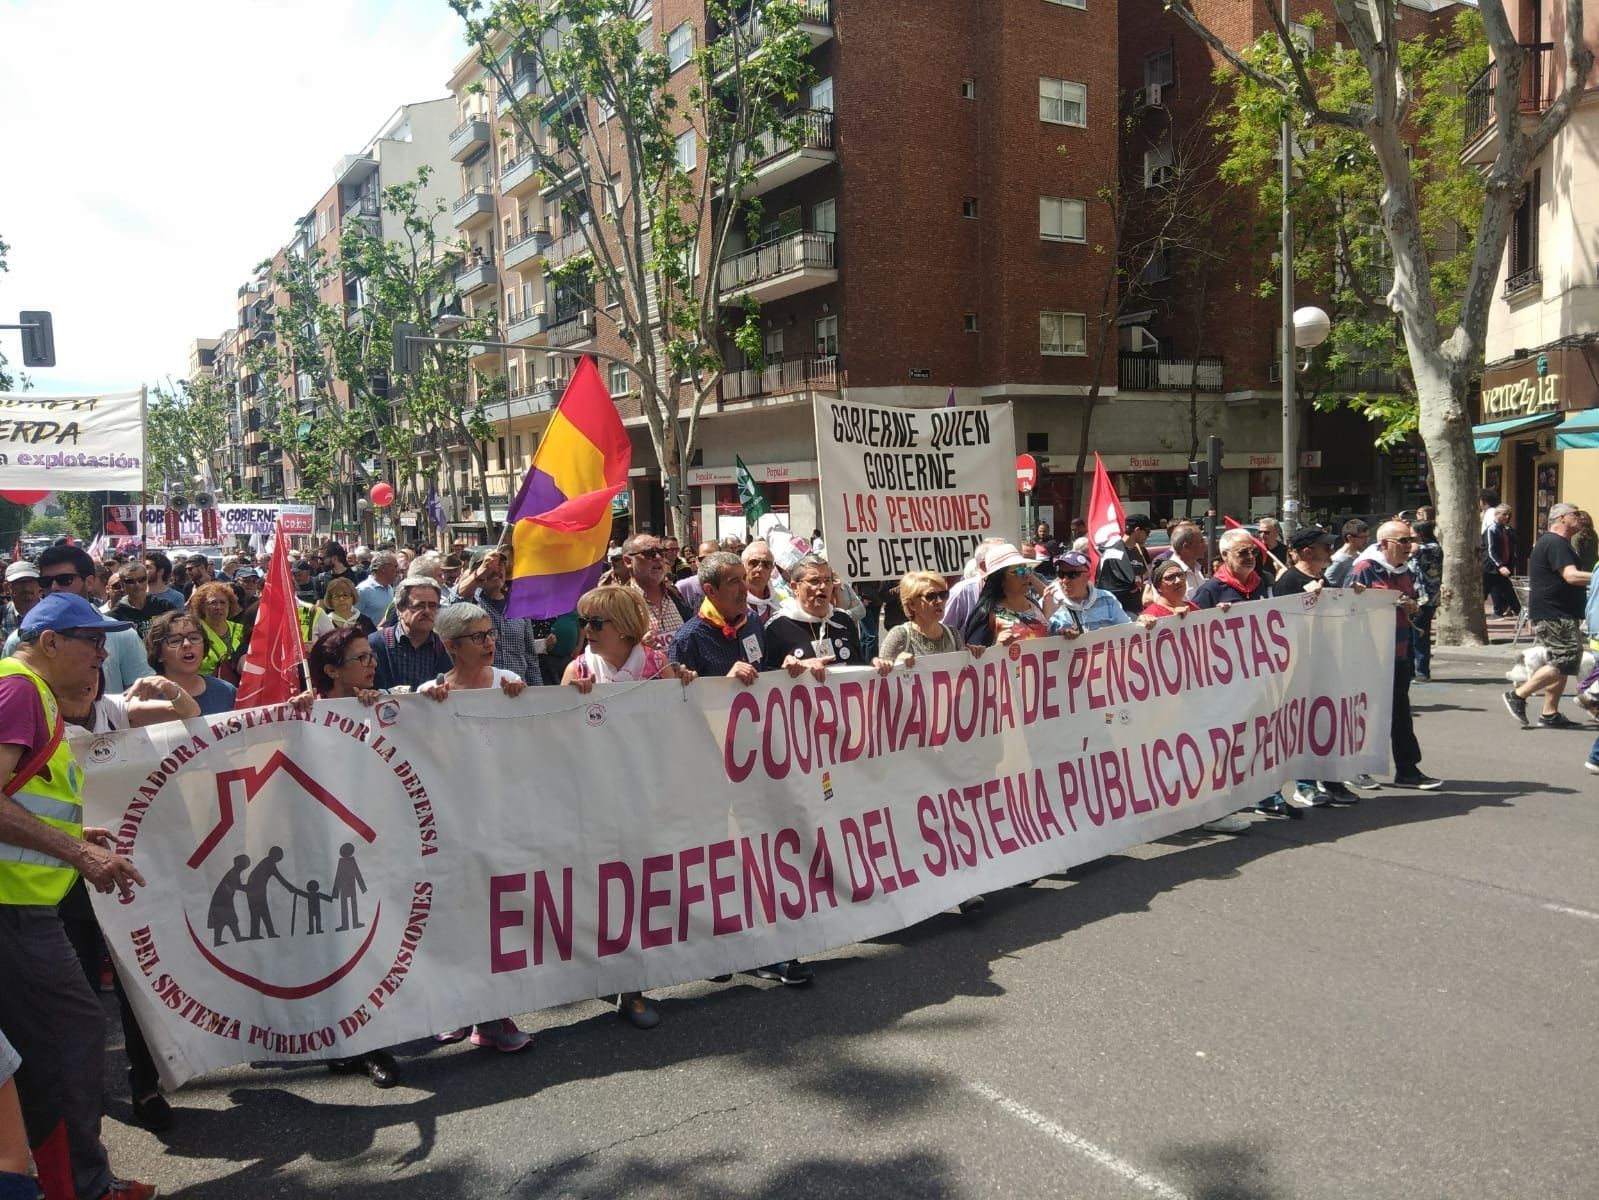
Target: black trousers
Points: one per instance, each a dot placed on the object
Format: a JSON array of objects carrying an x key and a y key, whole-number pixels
[
  {"x": 1402, "y": 732},
  {"x": 83, "y": 931},
  {"x": 1502, "y": 593}
]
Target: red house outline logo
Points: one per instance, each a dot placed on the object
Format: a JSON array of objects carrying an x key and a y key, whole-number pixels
[{"x": 254, "y": 778}]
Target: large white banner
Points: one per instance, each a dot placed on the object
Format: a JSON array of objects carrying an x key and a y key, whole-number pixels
[
  {"x": 327, "y": 884},
  {"x": 907, "y": 489},
  {"x": 192, "y": 527},
  {"x": 72, "y": 443}
]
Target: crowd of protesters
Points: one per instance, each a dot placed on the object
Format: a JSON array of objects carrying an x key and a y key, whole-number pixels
[{"x": 136, "y": 640}]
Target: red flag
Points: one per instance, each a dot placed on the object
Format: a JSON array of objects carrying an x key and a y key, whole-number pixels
[
  {"x": 1106, "y": 518},
  {"x": 270, "y": 671},
  {"x": 1260, "y": 546}
]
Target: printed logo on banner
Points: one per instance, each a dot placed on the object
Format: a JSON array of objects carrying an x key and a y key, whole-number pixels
[
  {"x": 595, "y": 715},
  {"x": 102, "y": 750},
  {"x": 288, "y": 890}
]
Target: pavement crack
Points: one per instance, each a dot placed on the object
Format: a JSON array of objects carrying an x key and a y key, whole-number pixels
[{"x": 574, "y": 1160}]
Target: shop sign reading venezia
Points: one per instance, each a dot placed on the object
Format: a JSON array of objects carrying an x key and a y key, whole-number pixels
[{"x": 1522, "y": 397}]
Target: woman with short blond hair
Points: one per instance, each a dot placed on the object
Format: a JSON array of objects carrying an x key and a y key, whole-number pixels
[{"x": 922, "y": 595}]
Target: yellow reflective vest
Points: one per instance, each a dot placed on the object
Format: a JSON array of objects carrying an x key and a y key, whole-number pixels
[{"x": 54, "y": 794}]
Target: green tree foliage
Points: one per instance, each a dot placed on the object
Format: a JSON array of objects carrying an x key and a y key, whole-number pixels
[
  {"x": 186, "y": 434},
  {"x": 607, "y": 104},
  {"x": 1341, "y": 253},
  {"x": 51, "y": 527}
]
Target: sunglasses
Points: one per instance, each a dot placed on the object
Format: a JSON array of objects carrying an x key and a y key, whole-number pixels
[
  {"x": 63, "y": 579},
  {"x": 1078, "y": 574},
  {"x": 594, "y": 623},
  {"x": 97, "y": 640},
  {"x": 1021, "y": 572},
  {"x": 481, "y": 638},
  {"x": 126, "y": 579},
  {"x": 759, "y": 562},
  {"x": 650, "y": 552},
  {"x": 936, "y": 597},
  {"x": 1169, "y": 577},
  {"x": 1244, "y": 551}
]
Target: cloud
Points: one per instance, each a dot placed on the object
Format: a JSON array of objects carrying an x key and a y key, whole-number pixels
[{"x": 158, "y": 152}]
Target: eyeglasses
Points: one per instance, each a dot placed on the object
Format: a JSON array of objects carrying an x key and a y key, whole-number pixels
[
  {"x": 97, "y": 640},
  {"x": 1243, "y": 551},
  {"x": 364, "y": 659},
  {"x": 481, "y": 638},
  {"x": 422, "y": 606},
  {"x": 1169, "y": 577},
  {"x": 127, "y": 579},
  {"x": 61, "y": 579},
  {"x": 594, "y": 623},
  {"x": 183, "y": 639},
  {"x": 1404, "y": 541},
  {"x": 759, "y": 562},
  {"x": 648, "y": 552},
  {"x": 936, "y": 597}
]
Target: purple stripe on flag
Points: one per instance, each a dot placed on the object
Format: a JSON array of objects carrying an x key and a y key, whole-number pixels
[
  {"x": 541, "y": 597},
  {"x": 539, "y": 494}
]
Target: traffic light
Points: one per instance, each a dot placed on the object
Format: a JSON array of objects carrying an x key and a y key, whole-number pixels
[
  {"x": 407, "y": 350},
  {"x": 1199, "y": 474},
  {"x": 38, "y": 340},
  {"x": 1043, "y": 461}
]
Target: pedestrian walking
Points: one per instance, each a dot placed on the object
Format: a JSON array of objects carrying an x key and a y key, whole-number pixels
[{"x": 1556, "y": 594}]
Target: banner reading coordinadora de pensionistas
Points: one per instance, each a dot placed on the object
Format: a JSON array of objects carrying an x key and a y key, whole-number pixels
[
  {"x": 329, "y": 883},
  {"x": 907, "y": 489},
  {"x": 72, "y": 443}
]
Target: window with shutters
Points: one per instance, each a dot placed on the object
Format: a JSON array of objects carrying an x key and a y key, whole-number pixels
[{"x": 1523, "y": 272}]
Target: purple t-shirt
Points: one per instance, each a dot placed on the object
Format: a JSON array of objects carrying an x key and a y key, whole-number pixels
[{"x": 22, "y": 721}]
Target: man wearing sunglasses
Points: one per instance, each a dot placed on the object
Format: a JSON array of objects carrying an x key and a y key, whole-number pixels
[
  {"x": 1557, "y": 592},
  {"x": 137, "y": 605},
  {"x": 766, "y": 589},
  {"x": 67, "y": 569},
  {"x": 1385, "y": 566},
  {"x": 47, "y": 1008},
  {"x": 648, "y": 562}
]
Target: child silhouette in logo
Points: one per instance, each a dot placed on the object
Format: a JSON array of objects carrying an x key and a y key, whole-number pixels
[
  {"x": 347, "y": 884},
  {"x": 314, "y": 900}
]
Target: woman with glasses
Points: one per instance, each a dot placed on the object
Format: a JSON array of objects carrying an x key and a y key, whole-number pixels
[
  {"x": 1169, "y": 583},
  {"x": 923, "y": 596},
  {"x": 468, "y": 635},
  {"x": 213, "y": 607},
  {"x": 612, "y": 623},
  {"x": 177, "y": 652},
  {"x": 1010, "y": 605}
]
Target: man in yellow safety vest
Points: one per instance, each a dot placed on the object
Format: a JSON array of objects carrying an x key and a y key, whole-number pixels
[{"x": 47, "y": 1008}]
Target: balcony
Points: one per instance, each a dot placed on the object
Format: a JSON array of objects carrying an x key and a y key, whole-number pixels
[
  {"x": 467, "y": 138},
  {"x": 475, "y": 276},
  {"x": 552, "y": 102},
  {"x": 808, "y": 373},
  {"x": 366, "y": 210},
  {"x": 568, "y": 245},
  {"x": 789, "y": 158},
  {"x": 522, "y": 86},
  {"x": 574, "y": 330},
  {"x": 1163, "y": 373},
  {"x": 520, "y": 174},
  {"x": 1538, "y": 88},
  {"x": 1524, "y": 282},
  {"x": 527, "y": 249},
  {"x": 477, "y": 205},
  {"x": 1363, "y": 377},
  {"x": 354, "y": 169},
  {"x": 523, "y": 326},
  {"x": 816, "y": 22},
  {"x": 793, "y": 262},
  {"x": 566, "y": 174},
  {"x": 532, "y": 398}
]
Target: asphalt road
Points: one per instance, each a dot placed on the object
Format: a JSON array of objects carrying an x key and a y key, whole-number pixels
[{"x": 1394, "y": 1000}]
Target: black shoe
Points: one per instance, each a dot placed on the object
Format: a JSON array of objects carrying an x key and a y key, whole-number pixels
[
  {"x": 153, "y": 1112},
  {"x": 1415, "y": 779},
  {"x": 1276, "y": 806},
  {"x": 974, "y": 905},
  {"x": 793, "y": 972},
  {"x": 1556, "y": 720},
  {"x": 1336, "y": 793},
  {"x": 1517, "y": 707},
  {"x": 381, "y": 1068},
  {"x": 721, "y": 978}
]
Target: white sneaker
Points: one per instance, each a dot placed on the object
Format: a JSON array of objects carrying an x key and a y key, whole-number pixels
[
  {"x": 1366, "y": 783},
  {"x": 1231, "y": 823},
  {"x": 1305, "y": 795}
]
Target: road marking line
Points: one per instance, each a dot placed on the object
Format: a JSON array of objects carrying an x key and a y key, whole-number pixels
[
  {"x": 1571, "y": 912},
  {"x": 1082, "y": 1145}
]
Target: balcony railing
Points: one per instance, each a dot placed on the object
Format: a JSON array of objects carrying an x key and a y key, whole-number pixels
[
  {"x": 466, "y": 137},
  {"x": 789, "y": 252},
  {"x": 478, "y": 201},
  {"x": 525, "y": 83},
  {"x": 1365, "y": 377},
  {"x": 812, "y": 12},
  {"x": 813, "y": 130},
  {"x": 520, "y": 326},
  {"x": 566, "y": 246},
  {"x": 1162, "y": 373},
  {"x": 806, "y": 373},
  {"x": 526, "y": 247},
  {"x": 364, "y": 209},
  {"x": 577, "y": 328},
  {"x": 1521, "y": 281},
  {"x": 1538, "y": 85}
]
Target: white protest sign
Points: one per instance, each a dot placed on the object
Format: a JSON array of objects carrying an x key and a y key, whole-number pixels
[
  {"x": 231, "y": 520},
  {"x": 89, "y": 443},
  {"x": 331, "y": 883},
  {"x": 907, "y": 489}
]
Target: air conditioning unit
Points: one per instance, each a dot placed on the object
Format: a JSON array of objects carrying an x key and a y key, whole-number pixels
[
  {"x": 1141, "y": 341},
  {"x": 1152, "y": 95}
]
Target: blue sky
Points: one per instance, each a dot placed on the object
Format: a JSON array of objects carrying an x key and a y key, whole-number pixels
[{"x": 156, "y": 152}]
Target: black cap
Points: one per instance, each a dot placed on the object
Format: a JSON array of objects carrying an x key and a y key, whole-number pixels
[
  {"x": 1137, "y": 521},
  {"x": 1309, "y": 536}
]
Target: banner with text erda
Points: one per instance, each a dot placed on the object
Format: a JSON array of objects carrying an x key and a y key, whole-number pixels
[
  {"x": 328, "y": 883},
  {"x": 912, "y": 489},
  {"x": 88, "y": 443}
]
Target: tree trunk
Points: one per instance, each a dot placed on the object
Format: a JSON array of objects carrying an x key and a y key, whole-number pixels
[{"x": 1445, "y": 429}]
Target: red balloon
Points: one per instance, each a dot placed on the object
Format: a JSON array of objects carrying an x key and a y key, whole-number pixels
[
  {"x": 382, "y": 495},
  {"x": 23, "y": 495}
]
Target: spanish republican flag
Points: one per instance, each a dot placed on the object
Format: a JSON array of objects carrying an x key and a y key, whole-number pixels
[{"x": 561, "y": 521}]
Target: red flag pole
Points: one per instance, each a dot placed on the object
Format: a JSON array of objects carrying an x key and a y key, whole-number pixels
[{"x": 274, "y": 665}]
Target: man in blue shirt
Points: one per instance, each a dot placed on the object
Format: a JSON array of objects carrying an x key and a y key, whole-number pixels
[
  {"x": 375, "y": 593},
  {"x": 724, "y": 637}
]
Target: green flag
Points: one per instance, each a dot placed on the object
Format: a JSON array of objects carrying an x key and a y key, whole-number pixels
[{"x": 749, "y": 495}]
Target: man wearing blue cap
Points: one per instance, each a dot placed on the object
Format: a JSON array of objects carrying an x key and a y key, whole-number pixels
[{"x": 47, "y": 1008}]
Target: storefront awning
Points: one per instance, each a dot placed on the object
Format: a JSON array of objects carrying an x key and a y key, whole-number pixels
[
  {"x": 1487, "y": 436},
  {"x": 1579, "y": 431}
]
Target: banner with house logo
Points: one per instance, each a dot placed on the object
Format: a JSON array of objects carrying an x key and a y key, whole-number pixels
[
  {"x": 87, "y": 443},
  {"x": 907, "y": 489},
  {"x": 335, "y": 881}
]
